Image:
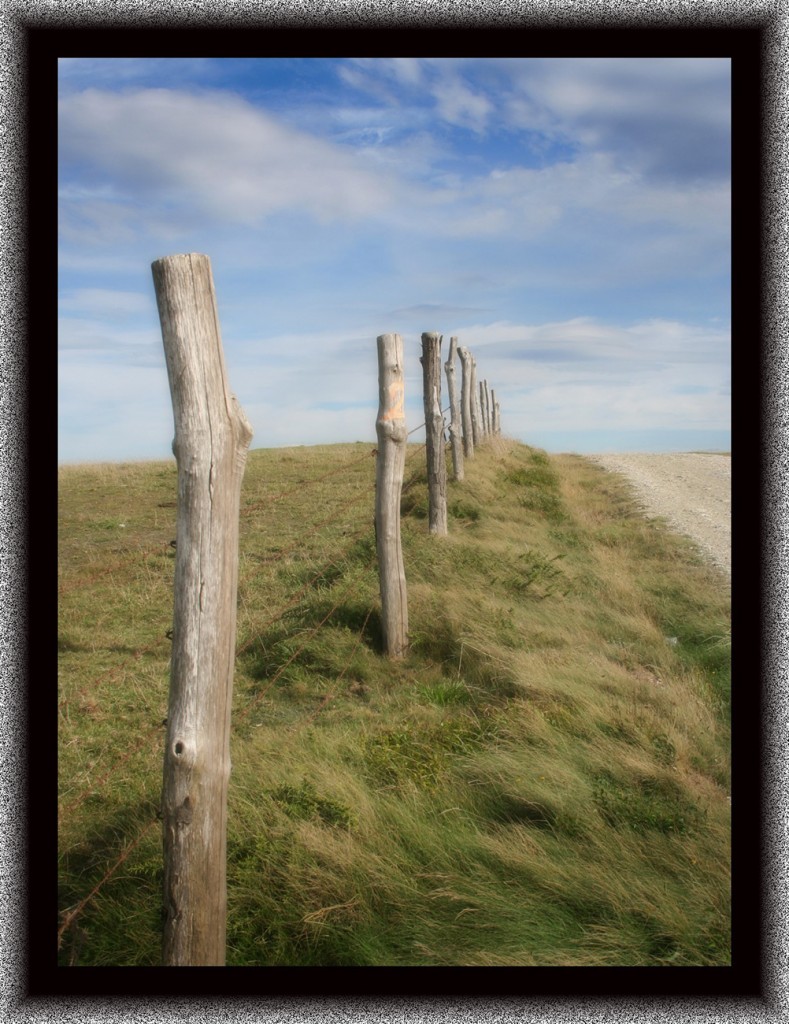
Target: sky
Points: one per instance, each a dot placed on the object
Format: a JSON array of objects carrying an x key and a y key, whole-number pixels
[{"x": 568, "y": 219}]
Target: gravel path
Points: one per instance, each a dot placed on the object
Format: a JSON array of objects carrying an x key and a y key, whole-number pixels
[{"x": 691, "y": 491}]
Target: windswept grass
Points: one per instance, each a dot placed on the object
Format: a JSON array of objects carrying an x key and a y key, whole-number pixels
[{"x": 542, "y": 781}]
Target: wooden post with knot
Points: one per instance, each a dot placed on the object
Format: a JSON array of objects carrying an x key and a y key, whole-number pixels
[
  {"x": 392, "y": 435},
  {"x": 212, "y": 438}
]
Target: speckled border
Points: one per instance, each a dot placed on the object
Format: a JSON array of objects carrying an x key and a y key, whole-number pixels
[{"x": 14, "y": 566}]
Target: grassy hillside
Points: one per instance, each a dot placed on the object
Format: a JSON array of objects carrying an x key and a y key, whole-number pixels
[{"x": 543, "y": 781}]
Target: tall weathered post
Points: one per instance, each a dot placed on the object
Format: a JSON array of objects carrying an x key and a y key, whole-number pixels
[
  {"x": 455, "y": 431},
  {"x": 476, "y": 428},
  {"x": 488, "y": 421},
  {"x": 466, "y": 403},
  {"x": 434, "y": 434},
  {"x": 483, "y": 424},
  {"x": 392, "y": 435},
  {"x": 212, "y": 437},
  {"x": 494, "y": 413}
]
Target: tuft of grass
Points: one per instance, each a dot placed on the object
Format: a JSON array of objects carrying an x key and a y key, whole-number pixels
[
  {"x": 464, "y": 510},
  {"x": 644, "y": 803},
  {"x": 304, "y": 802},
  {"x": 542, "y": 780}
]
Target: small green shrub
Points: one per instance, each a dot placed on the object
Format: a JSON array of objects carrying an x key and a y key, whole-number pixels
[
  {"x": 445, "y": 692},
  {"x": 303, "y": 802},
  {"x": 541, "y": 477},
  {"x": 419, "y": 754},
  {"x": 616, "y": 729},
  {"x": 414, "y": 503},
  {"x": 568, "y": 538},
  {"x": 532, "y": 572},
  {"x": 645, "y": 804},
  {"x": 548, "y": 505},
  {"x": 664, "y": 750},
  {"x": 464, "y": 510},
  {"x": 540, "y": 486}
]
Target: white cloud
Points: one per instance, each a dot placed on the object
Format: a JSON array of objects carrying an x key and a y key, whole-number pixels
[
  {"x": 579, "y": 374},
  {"x": 459, "y": 105},
  {"x": 668, "y": 118},
  {"x": 213, "y": 151},
  {"x": 621, "y": 347},
  {"x": 107, "y": 302},
  {"x": 376, "y": 74},
  {"x": 111, "y": 412},
  {"x": 604, "y": 88},
  {"x": 215, "y": 156},
  {"x": 585, "y": 375},
  {"x": 101, "y": 335},
  {"x": 578, "y": 204},
  {"x": 407, "y": 70}
]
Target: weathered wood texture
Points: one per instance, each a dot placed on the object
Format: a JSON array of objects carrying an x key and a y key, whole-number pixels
[
  {"x": 483, "y": 423},
  {"x": 455, "y": 429},
  {"x": 392, "y": 435},
  {"x": 476, "y": 425},
  {"x": 466, "y": 403},
  {"x": 212, "y": 437},
  {"x": 488, "y": 421},
  {"x": 434, "y": 434},
  {"x": 494, "y": 414}
]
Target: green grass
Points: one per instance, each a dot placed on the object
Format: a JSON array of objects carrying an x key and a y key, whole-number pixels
[{"x": 543, "y": 780}]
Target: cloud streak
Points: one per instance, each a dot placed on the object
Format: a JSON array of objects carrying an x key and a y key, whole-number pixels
[{"x": 212, "y": 152}]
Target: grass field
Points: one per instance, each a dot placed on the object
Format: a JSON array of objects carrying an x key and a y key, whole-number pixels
[{"x": 542, "y": 781}]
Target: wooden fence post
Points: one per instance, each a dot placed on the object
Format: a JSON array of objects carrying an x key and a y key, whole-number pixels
[
  {"x": 212, "y": 437},
  {"x": 488, "y": 421},
  {"x": 392, "y": 435},
  {"x": 475, "y": 418},
  {"x": 494, "y": 413},
  {"x": 434, "y": 431},
  {"x": 483, "y": 426},
  {"x": 455, "y": 434},
  {"x": 465, "y": 403}
]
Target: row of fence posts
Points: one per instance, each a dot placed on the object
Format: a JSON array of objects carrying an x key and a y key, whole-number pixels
[
  {"x": 212, "y": 438},
  {"x": 474, "y": 417}
]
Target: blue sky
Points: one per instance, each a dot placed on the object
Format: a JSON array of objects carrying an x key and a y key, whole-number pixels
[{"x": 567, "y": 218}]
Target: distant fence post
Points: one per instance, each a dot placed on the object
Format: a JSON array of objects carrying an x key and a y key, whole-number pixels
[
  {"x": 494, "y": 413},
  {"x": 455, "y": 433},
  {"x": 212, "y": 437},
  {"x": 466, "y": 403},
  {"x": 485, "y": 395},
  {"x": 434, "y": 434},
  {"x": 483, "y": 423},
  {"x": 476, "y": 427},
  {"x": 392, "y": 435}
]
